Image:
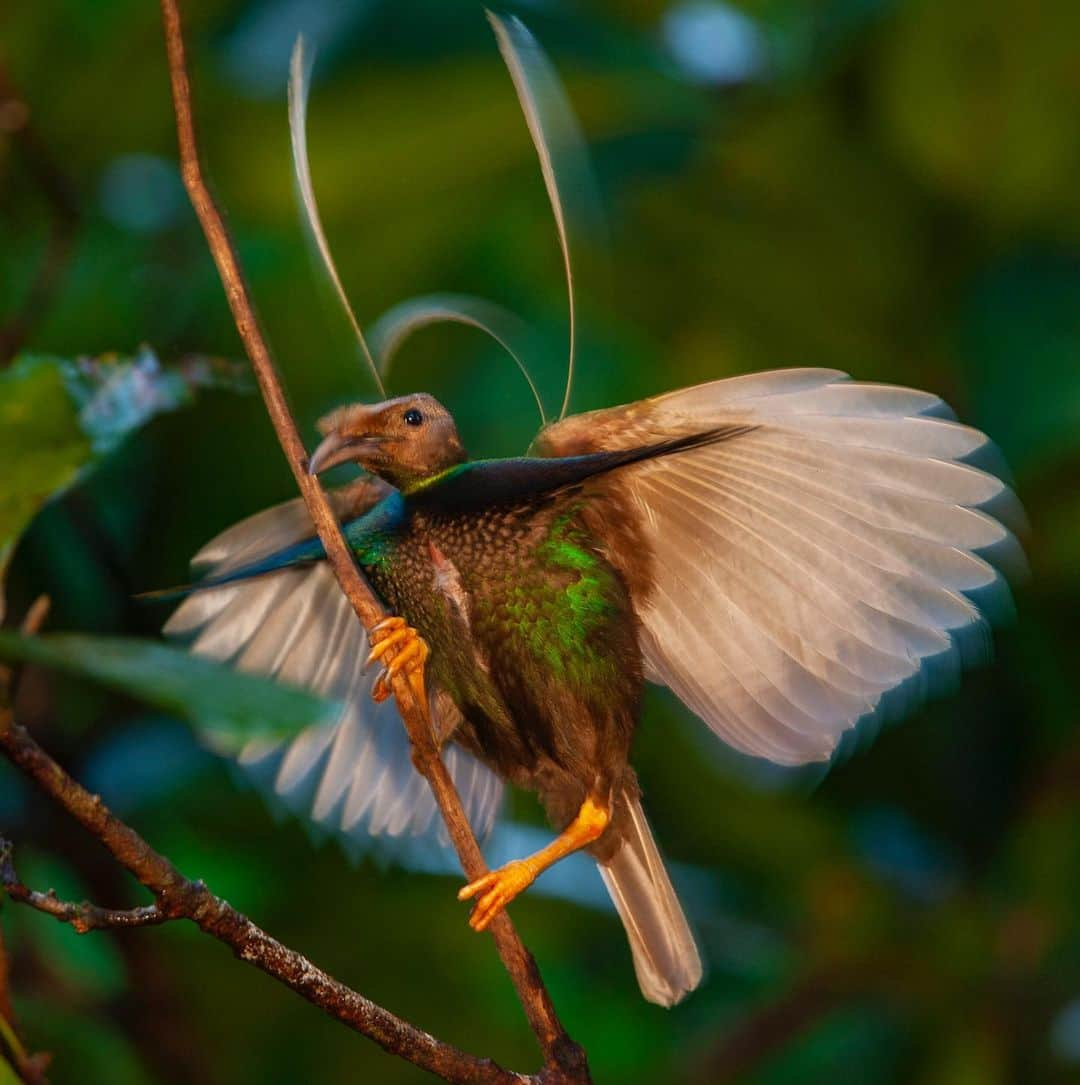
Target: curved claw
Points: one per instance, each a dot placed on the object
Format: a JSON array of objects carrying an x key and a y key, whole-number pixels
[
  {"x": 410, "y": 654},
  {"x": 496, "y": 890},
  {"x": 387, "y": 624}
]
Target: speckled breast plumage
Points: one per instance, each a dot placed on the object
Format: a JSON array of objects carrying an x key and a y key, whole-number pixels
[{"x": 531, "y": 630}]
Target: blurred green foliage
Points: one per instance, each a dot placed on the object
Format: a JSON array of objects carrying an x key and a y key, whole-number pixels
[
  {"x": 883, "y": 186},
  {"x": 57, "y": 418},
  {"x": 227, "y": 706}
]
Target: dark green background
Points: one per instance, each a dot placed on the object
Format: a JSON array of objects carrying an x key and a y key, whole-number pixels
[{"x": 895, "y": 192}]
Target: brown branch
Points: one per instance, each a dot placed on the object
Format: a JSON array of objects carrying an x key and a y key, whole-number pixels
[
  {"x": 50, "y": 179},
  {"x": 565, "y": 1061},
  {"x": 176, "y": 897},
  {"x": 84, "y": 917}
]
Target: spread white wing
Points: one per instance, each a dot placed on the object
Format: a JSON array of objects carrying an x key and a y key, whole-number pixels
[
  {"x": 355, "y": 777},
  {"x": 838, "y": 562}
]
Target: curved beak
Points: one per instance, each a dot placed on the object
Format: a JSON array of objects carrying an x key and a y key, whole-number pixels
[{"x": 336, "y": 447}]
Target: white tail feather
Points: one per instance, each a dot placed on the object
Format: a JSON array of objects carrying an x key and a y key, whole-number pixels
[{"x": 666, "y": 958}]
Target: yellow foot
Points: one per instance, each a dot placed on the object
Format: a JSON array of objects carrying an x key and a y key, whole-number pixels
[
  {"x": 496, "y": 890},
  {"x": 410, "y": 654}
]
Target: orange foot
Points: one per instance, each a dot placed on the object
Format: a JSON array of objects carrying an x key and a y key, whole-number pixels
[
  {"x": 496, "y": 890},
  {"x": 410, "y": 654}
]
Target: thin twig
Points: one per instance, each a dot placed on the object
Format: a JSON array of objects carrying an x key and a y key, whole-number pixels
[
  {"x": 30, "y": 626},
  {"x": 35, "y": 616},
  {"x": 565, "y": 1061},
  {"x": 84, "y": 917},
  {"x": 176, "y": 897}
]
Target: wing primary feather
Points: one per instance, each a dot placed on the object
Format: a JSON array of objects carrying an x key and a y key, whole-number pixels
[{"x": 353, "y": 777}]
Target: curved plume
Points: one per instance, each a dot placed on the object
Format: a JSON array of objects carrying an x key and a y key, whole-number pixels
[
  {"x": 299, "y": 84},
  {"x": 395, "y": 326},
  {"x": 552, "y": 126}
]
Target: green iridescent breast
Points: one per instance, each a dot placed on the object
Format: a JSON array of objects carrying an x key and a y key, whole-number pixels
[
  {"x": 540, "y": 604},
  {"x": 560, "y": 611}
]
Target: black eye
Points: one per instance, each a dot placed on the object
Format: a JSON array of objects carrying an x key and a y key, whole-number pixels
[{"x": 413, "y": 417}]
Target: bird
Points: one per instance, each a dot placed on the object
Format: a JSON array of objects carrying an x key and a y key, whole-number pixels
[
  {"x": 784, "y": 550},
  {"x": 795, "y": 554}
]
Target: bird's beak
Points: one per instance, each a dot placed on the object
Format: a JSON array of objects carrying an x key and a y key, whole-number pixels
[{"x": 337, "y": 447}]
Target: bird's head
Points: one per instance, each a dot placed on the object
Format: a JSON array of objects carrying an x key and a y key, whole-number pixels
[{"x": 403, "y": 440}]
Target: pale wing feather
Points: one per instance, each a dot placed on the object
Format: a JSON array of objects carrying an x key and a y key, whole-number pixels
[
  {"x": 355, "y": 777},
  {"x": 880, "y": 590},
  {"x": 864, "y": 671},
  {"x": 916, "y": 518},
  {"x": 838, "y": 562},
  {"x": 735, "y": 699},
  {"x": 824, "y": 682},
  {"x": 920, "y": 562},
  {"x": 826, "y": 484}
]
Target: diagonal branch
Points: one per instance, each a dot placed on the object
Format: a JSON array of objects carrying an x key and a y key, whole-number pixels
[
  {"x": 565, "y": 1061},
  {"x": 176, "y": 897}
]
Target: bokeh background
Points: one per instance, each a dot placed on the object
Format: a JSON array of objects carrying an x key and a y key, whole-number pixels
[{"x": 889, "y": 187}]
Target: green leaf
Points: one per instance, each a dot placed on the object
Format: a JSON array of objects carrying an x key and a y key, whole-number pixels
[
  {"x": 58, "y": 417},
  {"x": 116, "y": 395},
  {"x": 7, "y": 1074},
  {"x": 227, "y": 706},
  {"x": 41, "y": 444}
]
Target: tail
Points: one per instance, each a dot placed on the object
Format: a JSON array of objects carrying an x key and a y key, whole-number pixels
[{"x": 666, "y": 958}]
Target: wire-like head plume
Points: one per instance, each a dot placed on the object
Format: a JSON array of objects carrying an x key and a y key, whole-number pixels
[
  {"x": 299, "y": 84},
  {"x": 553, "y": 130},
  {"x": 555, "y": 134}
]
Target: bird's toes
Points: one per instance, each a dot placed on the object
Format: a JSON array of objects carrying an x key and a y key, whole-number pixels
[
  {"x": 401, "y": 650},
  {"x": 387, "y": 625},
  {"x": 469, "y": 891},
  {"x": 487, "y": 908},
  {"x": 380, "y": 690},
  {"x": 384, "y": 643},
  {"x": 495, "y": 891}
]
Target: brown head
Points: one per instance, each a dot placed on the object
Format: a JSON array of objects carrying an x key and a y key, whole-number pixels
[{"x": 403, "y": 440}]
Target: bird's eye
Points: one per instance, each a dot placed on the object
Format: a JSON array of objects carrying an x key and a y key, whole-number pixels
[{"x": 413, "y": 417}]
